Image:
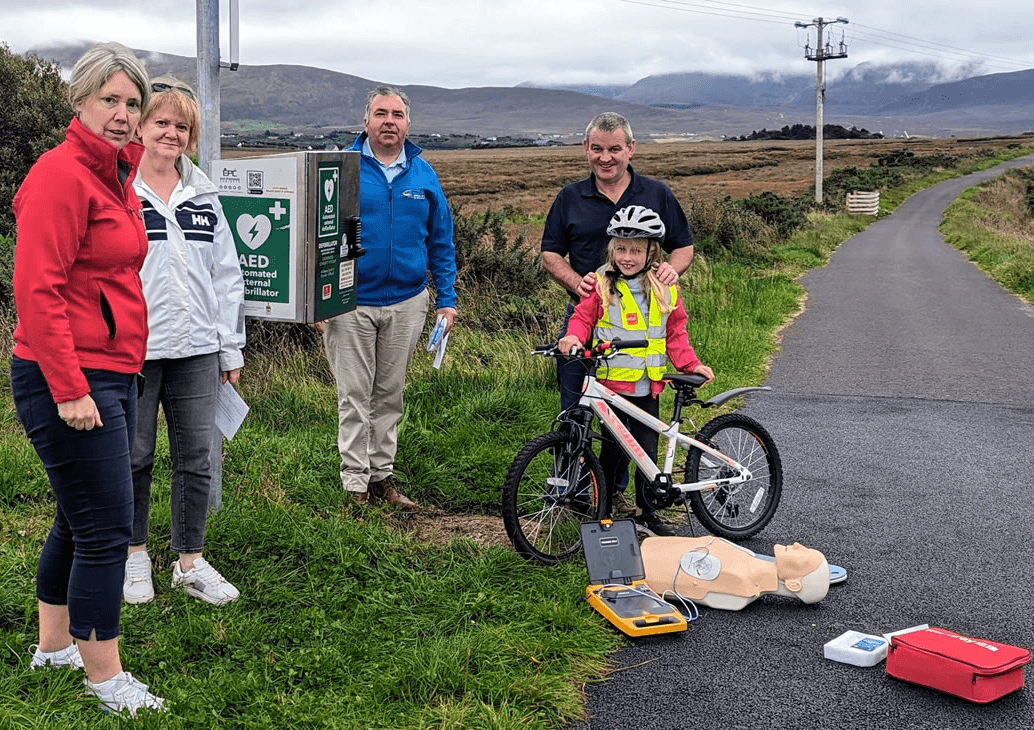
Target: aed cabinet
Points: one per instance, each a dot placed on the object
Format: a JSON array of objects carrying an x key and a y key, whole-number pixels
[{"x": 295, "y": 219}]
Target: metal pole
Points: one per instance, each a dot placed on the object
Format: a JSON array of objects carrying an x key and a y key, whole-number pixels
[
  {"x": 208, "y": 81},
  {"x": 819, "y": 94},
  {"x": 208, "y": 150}
]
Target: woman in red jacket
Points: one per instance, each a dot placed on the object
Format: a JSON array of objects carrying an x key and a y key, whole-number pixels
[{"x": 79, "y": 345}]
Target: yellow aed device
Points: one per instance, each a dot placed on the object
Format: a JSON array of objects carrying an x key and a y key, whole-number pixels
[{"x": 617, "y": 581}]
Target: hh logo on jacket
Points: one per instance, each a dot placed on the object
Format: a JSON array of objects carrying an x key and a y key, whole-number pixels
[
  {"x": 196, "y": 220},
  {"x": 632, "y": 319}
]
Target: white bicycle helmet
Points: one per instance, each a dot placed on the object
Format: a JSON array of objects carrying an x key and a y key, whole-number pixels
[{"x": 636, "y": 221}]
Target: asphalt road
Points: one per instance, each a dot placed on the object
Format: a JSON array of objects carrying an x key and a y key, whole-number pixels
[{"x": 903, "y": 408}]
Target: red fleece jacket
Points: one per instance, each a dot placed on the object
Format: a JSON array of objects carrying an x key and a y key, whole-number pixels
[{"x": 77, "y": 258}]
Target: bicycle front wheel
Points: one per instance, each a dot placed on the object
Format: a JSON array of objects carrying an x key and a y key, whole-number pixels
[
  {"x": 554, "y": 484},
  {"x": 736, "y": 511}
]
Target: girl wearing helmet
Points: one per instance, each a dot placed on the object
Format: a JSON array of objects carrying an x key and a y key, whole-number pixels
[{"x": 630, "y": 302}]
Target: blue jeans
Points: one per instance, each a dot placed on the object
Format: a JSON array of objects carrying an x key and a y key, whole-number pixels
[
  {"x": 84, "y": 557},
  {"x": 187, "y": 389}
]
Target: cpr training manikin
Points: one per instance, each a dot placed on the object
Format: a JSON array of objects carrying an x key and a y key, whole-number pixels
[{"x": 719, "y": 574}]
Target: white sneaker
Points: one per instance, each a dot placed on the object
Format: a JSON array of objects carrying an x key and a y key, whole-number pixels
[
  {"x": 137, "y": 587},
  {"x": 124, "y": 692},
  {"x": 67, "y": 657},
  {"x": 204, "y": 582}
]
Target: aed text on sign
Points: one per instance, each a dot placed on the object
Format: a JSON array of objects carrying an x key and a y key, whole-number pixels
[{"x": 254, "y": 261}]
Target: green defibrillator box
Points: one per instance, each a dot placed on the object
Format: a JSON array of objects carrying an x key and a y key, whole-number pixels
[{"x": 295, "y": 219}]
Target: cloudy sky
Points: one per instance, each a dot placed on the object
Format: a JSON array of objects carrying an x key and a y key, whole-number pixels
[{"x": 459, "y": 43}]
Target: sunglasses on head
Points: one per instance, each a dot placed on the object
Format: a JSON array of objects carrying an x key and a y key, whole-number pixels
[{"x": 159, "y": 86}]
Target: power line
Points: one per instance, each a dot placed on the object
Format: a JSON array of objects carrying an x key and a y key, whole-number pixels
[
  {"x": 874, "y": 40},
  {"x": 943, "y": 45},
  {"x": 765, "y": 15},
  {"x": 764, "y": 12},
  {"x": 949, "y": 53},
  {"x": 681, "y": 7},
  {"x": 753, "y": 7},
  {"x": 952, "y": 49}
]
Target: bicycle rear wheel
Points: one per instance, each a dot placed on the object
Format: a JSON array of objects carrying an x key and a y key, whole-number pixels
[
  {"x": 737, "y": 511},
  {"x": 553, "y": 485}
]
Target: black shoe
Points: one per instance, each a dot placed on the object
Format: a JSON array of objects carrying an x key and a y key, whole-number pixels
[{"x": 651, "y": 525}]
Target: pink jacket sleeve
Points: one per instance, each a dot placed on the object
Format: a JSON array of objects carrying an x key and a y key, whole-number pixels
[
  {"x": 680, "y": 352},
  {"x": 586, "y": 314}
]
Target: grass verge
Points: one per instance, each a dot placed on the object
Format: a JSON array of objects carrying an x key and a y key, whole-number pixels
[{"x": 993, "y": 224}]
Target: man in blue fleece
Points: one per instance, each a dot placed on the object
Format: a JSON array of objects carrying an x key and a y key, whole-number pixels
[{"x": 407, "y": 232}]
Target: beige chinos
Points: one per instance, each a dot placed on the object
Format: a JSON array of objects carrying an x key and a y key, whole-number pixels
[{"x": 369, "y": 351}]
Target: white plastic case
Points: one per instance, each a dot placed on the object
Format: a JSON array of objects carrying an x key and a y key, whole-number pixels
[{"x": 854, "y": 647}]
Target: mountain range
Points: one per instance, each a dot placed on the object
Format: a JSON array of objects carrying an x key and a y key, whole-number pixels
[{"x": 896, "y": 99}]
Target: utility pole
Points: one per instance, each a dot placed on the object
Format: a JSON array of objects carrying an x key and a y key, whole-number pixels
[
  {"x": 823, "y": 52},
  {"x": 208, "y": 149},
  {"x": 208, "y": 65},
  {"x": 208, "y": 82}
]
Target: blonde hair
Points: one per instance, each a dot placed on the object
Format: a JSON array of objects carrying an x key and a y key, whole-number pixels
[
  {"x": 607, "y": 275},
  {"x": 181, "y": 99},
  {"x": 98, "y": 65}
]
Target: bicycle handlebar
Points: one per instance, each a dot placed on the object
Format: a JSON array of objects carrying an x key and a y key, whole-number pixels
[{"x": 599, "y": 351}]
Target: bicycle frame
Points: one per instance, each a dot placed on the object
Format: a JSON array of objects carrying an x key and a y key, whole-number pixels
[
  {"x": 556, "y": 481},
  {"x": 601, "y": 400}
]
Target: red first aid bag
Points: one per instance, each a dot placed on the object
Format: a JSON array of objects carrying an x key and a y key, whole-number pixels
[{"x": 979, "y": 670}]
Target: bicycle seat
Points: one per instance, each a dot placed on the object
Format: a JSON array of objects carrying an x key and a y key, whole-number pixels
[{"x": 685, "y": 380}]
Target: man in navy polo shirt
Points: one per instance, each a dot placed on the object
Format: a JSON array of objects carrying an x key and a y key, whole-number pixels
[{"x": 574, "y": 241}]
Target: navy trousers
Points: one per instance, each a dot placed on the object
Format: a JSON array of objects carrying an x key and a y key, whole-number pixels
[{"x": 84, "y": 557}]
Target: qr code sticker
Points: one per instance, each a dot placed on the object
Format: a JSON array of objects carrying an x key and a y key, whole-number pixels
[{"x": 255, "y": 180}]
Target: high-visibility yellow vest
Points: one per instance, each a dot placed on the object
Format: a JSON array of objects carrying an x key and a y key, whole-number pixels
[{"x": 623, "y": 319}]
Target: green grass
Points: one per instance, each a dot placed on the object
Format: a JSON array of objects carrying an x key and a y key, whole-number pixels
[
  {"x": 890, "y": 200},
  {"x": 345, "y": 620},
  {"x": 991, "y": 224}
]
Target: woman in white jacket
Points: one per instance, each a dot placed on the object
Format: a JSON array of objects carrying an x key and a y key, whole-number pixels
[{"x": 195, "y": 307}]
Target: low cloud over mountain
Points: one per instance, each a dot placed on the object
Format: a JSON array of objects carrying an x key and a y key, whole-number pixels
[{"x": 921, "y": 98}]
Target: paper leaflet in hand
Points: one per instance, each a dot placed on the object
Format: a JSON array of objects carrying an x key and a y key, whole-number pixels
[
  {"x": 436, "y": 334},
  {"x": 230, "y": 410},
  {"x": 437, "y": 341}
]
